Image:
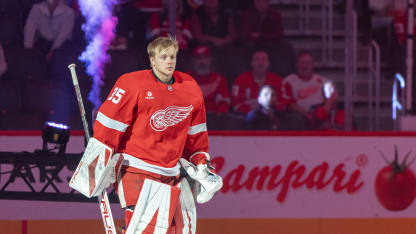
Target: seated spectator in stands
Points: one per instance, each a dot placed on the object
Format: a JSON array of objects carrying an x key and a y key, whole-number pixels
[
  {"x": 399, "y": 14},
  {"x": 213, "y": 85},
  {"x": 261, "y": 25},
  {"x": 246, "y": 86},
  {"x": 133, "y": 21},
  {"x": 49, "y": 26},
  {"x": 328, "y": 115},
  {"x": 388, "y": 21},
  {"x": 304, "y": 89},
  {"x": 381, "y": 20},
  {"x": 397, "y": 53},
  {"x": 159, "y": 24},
  {"x": 267, "y": 117},
  {"x": 3, "y": 64},
  {"x": 211, "y": 25}
]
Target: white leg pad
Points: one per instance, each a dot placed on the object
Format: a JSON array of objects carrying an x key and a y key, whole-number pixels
[{"x": 154, "y": 197}]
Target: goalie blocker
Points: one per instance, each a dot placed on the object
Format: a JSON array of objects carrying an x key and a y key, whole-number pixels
[{"x": 97, "y": 170}]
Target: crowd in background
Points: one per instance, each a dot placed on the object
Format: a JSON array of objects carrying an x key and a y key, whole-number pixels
[
  {"x": 385, "y": 21},
  {"x": 236, "y": 50}
]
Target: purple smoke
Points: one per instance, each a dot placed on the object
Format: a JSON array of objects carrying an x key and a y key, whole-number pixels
[{"x": 99, "y": 28}]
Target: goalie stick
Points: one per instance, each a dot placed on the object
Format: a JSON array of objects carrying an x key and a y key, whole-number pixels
[{"x": 103, "y": 197}]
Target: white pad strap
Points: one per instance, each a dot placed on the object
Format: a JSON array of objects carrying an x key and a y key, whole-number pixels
[{"x": 187, "y": 207}]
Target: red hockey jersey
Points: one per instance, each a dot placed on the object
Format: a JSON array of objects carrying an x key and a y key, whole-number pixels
[{"x": 154, "y": 124}]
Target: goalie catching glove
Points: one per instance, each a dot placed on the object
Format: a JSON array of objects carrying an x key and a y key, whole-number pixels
[{"x": 207, "y": 182}]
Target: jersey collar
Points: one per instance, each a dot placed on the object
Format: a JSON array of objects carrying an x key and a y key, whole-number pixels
[{"x": 170, "y": 82}]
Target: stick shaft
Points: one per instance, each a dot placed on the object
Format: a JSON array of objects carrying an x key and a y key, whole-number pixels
[
  {"x": 80, "y": 102},
  {"x": 102, "y": 198}
]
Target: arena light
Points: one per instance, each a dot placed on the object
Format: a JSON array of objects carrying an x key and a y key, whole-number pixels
[{"x": 57, "y": 134}]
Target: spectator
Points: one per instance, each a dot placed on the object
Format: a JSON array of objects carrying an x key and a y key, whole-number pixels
[
  {"x": 380, "y": 20},
  {"x": 261, "y": 25},
  {"x": 212, "y": 25},
  {"x": 246, "y": 87},
  {"x": 133, "y": 22},
  {"x": 213, "y": 85},
  {"x": 265, "y": 116},
  {"x": 304, "y": 89},
  {"x": 3, "y": 64},
  {"x": 330, "y": 114},
  {"x": 159, "y": 24},
  {"x": 49, "y": 26},
  {"x": 399, "y": 14},
  {"x": 389, "y": 28},
  {"x": 397, "y": 55}
]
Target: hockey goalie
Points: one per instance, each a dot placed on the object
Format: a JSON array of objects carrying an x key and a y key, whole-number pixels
[{"x": 152, "y": 124}]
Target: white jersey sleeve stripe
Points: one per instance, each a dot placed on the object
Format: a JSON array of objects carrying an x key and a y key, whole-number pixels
[
  {"x": 197, "y": 129},
  {"x": 111, "y": 123}
]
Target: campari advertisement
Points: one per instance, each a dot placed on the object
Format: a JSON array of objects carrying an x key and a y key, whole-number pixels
[{"x": 314, "y": 177}]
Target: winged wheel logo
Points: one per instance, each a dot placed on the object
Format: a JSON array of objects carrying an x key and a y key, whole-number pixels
[{"x": 162, "y": 119}]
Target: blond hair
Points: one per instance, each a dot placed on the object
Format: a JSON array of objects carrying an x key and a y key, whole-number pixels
[{"x": 160, "y": 44}]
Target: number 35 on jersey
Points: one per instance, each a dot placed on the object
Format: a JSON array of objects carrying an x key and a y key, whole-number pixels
[{"x": 116, "y": 95}]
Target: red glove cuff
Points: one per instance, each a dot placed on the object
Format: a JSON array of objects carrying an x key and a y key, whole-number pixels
[
  {"x": 202, "y": 159},
  {"x": 198, "y": 159}
]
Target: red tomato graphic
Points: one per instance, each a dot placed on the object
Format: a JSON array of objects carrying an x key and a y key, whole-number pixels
[{"x": 395, "y": 187}]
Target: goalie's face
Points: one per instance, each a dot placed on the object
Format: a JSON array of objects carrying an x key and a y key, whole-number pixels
[{"x": 164, "y": 63}]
